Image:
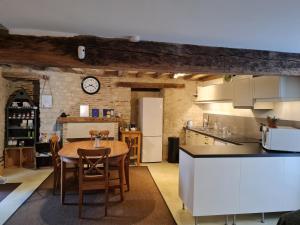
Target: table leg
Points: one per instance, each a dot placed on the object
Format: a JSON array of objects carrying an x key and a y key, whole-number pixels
[{"x": 62, "y": 181}]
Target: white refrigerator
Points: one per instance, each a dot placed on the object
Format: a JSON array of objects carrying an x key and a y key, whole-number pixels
[{"x": 151, "y": 125}]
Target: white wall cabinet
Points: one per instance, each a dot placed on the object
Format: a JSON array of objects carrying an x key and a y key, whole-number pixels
[
  {"x": 242, "y": 92},
  {"x": 217, "y": 92},
  {"x": 252, "y": 92},
  {"x": 278, "y": 88}
]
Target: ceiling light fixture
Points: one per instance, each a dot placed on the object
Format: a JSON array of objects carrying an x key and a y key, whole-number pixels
[{"x": 177, "y": 75}]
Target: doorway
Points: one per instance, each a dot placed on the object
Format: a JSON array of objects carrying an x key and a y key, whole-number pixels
[{"x": 136, "y": 94}]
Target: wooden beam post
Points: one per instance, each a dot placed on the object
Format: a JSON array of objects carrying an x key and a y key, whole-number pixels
[
  {"x": 19, "y": 75},
  {"x": 120, "y": 54},
  {"x": 149, "y": 85}
]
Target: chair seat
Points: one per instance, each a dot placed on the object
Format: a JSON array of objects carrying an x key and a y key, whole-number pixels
[
  {"x": 92, "y": 185},
  {"x": 96, "y": 185},
  {"x": 96, "y": 178}
]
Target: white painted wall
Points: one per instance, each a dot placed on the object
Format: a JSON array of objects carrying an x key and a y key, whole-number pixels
[
  {"x": 255, "y": 24},
  {"x": 282, "y": 110}
]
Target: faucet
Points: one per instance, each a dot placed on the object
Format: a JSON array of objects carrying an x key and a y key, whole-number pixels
[{"x": 205, "y": 122}]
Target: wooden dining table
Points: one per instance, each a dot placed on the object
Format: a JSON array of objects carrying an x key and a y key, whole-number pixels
[{"x": 68, "y": 154}]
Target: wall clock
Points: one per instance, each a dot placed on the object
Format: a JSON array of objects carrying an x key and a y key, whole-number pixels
[{"x": 90, "y": 85}]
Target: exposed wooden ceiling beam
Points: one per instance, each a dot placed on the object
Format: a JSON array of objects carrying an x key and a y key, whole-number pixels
[
  {"x": 111, "y": 73},
  {"x": 151, "y": 74},
  {"x": 162, "y": 75},
  {"x": 210, "y": 77},
  {"x": 62, "y": 70},
  {"x": 23, "y": 75},
  {"x": 194, "y": 76},
  {"x": 139, "y": 74},
  {"x": 149, "y": 85},
  {"x": 120, "y": 54}
]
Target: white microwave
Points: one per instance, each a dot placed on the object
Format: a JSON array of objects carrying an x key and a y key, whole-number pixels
[{"x": 281, "y": 139}]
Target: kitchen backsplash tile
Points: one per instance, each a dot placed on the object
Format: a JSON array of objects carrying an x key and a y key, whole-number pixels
[{"x": 246, "y": 126}]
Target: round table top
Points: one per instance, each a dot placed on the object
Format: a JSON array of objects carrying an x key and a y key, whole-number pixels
[{"x": 69, "y": 150}]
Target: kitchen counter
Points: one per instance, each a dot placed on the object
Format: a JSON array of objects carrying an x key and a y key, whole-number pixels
[
  {"x": 238, "y": 179},
  {"x": 233, "y": 139},
  {"x": 245, "y": 150}
]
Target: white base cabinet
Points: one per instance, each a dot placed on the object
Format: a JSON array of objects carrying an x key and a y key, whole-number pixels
[{"x": 239, "y": 185}]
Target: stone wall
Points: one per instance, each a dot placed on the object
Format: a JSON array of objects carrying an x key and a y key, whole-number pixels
[
  {"x": 68, "y": 96},
  {"x": 4, "y": 87},
  {"x": 16, "y": 85},
  {"x": 178, "y": 108}
]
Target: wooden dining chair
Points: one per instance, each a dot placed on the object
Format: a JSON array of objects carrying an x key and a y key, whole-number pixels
[
  {"x": 96, "y": 176},
  {"x": 54, "y": 148},
  {"x": 130, "y": 141},
  {"x": 104, "y": 134},
  {"x": 116, "y": 165},
  {"x": 93, "y": 133}
]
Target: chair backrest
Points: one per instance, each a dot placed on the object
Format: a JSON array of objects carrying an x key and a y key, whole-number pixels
[
  {"x": 104, "y": 134},
  {"x": 54, "y": 148},
  {"x": 93, "y": 158},
  {"x": 131, "y": 142},
  {"x": 93, "y": 133}
]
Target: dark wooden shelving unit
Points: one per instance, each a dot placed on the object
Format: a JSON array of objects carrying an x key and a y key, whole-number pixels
[{"x": 21, "y": 130}]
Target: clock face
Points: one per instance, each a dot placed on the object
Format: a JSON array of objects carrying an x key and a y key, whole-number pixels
[{"x": 90, "y": 85}]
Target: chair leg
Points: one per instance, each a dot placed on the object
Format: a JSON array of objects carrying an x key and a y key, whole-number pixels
[
  {"x": 62, "y": 182},
  {"x": 80, "y": 203},
  {"x": 121, "y": 174},
  {"x": 106, "y": 199},
  {"x": 127, "y": 175},
  {"x": 54, "y": 181}
]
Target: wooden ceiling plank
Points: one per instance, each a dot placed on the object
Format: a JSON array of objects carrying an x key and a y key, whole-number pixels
[
  {"x": 210, "y": 77},
  {"x": 17, "y": 75},
  {"x": 145, "y": 85},
  {"x": 162, "y": 75}
]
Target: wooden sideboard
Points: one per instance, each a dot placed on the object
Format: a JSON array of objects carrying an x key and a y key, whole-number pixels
[{"x": 79, "y": 127}]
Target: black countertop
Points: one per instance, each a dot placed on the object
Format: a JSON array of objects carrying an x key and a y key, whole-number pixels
[
  {"x": 233, "y": 139},
  {"x": 245, "y": 150}
]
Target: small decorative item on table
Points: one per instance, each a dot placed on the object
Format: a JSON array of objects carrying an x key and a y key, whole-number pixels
[
  {"x": 98, "y": 136},
  {"x": 97, "y": 141}
]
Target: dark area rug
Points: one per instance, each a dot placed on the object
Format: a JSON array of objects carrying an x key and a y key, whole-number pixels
[
  {"x": 6, "y": 189},
  {"x": 143, "y": 205}
]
